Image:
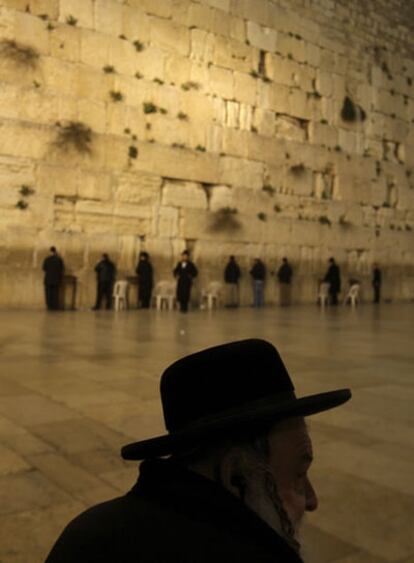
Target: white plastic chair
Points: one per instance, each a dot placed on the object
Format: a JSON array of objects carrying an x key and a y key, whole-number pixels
[
  {"x": 353, "y": 295},
  {"x": 323, "y": 295},
  {"x": 164, "y": 293},
  {"x": 120, "y": 295},
  {"x": 212, "y": 294}
]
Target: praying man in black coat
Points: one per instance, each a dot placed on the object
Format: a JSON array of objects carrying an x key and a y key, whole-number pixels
[
  {"x": 144, "y": 272},
  {"x": 232, "y": 275},
  {"x": 284, "y": 276},
  {"x": 53, "y": 267},
  {"x": 185, "y": 272},
  {"x": 333, "y": 277},
  {"x": 376, "y": 282},
  {"x": 105, "y": 278}
]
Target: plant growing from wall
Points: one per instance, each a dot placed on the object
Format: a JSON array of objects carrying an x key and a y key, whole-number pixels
[
  {"x": 158, "y": 81},
  {"x": 20, "y": 54},
  {"x": 149, "y": 107},
  {"x": 22, "y": 204},
  {"x": 138, "y": 75},
  {"x": 277, "y": 208},
  {"x": 344, "y": 222},
  {"x": 182, "y": 116},
  {"x": 262, "y": 216},
  {"x": 116, "y": 96},
  {"x": 108, "y": 69},
  {"x": 163, "y": 111},
  {"x": 200, "y": 148},
  {"x": 190, "y": 85},
  {"x": 74, "y": 135},
  {"x": 225, "y": 219},
  {"x": 133, "y": 152},
  {"x": 139, "y": 46},
  {"x": 70, "y": 20},
  {"x": 26, "y": 191},
  {"x": 324, "y": 220},
  {"x": 178, "y": 146}
]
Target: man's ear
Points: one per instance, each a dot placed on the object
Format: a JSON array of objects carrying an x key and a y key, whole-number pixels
[{"x": 231, "y": 476}]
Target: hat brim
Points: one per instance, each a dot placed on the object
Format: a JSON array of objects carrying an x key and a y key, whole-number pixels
[{"x": 244, "y": 417}]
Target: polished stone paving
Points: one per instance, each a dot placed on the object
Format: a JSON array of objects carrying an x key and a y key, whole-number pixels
[{"x": 74, "y": 387}]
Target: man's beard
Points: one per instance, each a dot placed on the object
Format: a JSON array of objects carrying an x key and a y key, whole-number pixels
[{"x": 262, "y": 497}]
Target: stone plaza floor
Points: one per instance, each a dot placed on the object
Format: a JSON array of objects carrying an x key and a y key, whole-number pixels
[{"x": 75, "y": 386}]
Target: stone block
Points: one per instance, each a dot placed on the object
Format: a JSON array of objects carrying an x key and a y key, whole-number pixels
[
  {"x": 245, "y": 88},
  {"x": 264, "y": 121},
  {"x": 57, "y": 181},
  {"x": 323, "y": 134},
  {"x": 223, "y": 5},
  {"x": 166, "y": 222},
  {"x": 108, "y": 17},
  {"x": 48, "y": 7},
  {"x": 65, "y": 43},
  {"x": 24, "y": 139},
  {"x": 202, "y": 46},
  {"x": 274, "y": 97},
  {"x": 150, "y": 63},
  {"x": 280, "y": 69},
  {"x": 60, "y": 76},
  {"x": 82, "y": 10},
  {"x": 178, "y": 163},
  {"x": 261, "y": 37},
  {"x": 139, "y": 188},
  {"x": 289, "y": 128},
  {"x": 235, "y": 142},
  {"x": 170, "y": 36},
  {"x": 221, "y": 24},
  {"x": 93, "y": 114},
  {"x": 221, "y": 197},
  {"x": 300, "y": 182},
  {"x": 94, "y": 48},
  {"x": 135, "y": 24},
  {"x": 122, "y": 55},
  {"x": 95, "y": 185},
  {"x": 299, "y": 105},
  {"x": 31, "y": 31},
  {"x": 177, "y": 69},
  {"x": 240, "y": 172},
  {"x": 201, "y": 16},
  {"x": 238, "y": 29},
  {"x": 184, "y": 194},
  {"x": 234, "y": 55},
  {"x": 251, "y": 10},
  {"x": 221, "y": 82},
  {"x": 161, "y": 8}
]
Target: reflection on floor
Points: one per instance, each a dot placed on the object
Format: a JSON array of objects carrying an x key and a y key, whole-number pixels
[{"x": 74, "y": 387}]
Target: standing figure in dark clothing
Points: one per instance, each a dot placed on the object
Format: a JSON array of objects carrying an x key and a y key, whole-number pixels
[
  {"x": 185, "y": 271},
  {"x": 258, "y": 273},
  {"x": 376, "y": 282},
  {"x": 235, "y": 486},
  {"x": 333, "y": 277},
  {"x": 145, "y": 280},
  {"x": 105, "y": 277},
  {"x": 53, "y": 268},
  {"x": 284, "y": 275},
  {"x": 231, "y": 277}
]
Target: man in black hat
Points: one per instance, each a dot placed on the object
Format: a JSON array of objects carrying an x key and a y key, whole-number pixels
[
  {"x": 185, "y": 272},
  {"x": 144, "y": 272},
  {"x": 333, "y": 277},
  {"x": 235, "y": 485},
  {"x": 105, "y": 277},
  {"x": 232, "y": 275},
  {"x": 284, "y": 276},
  {"x": 54, "y": 269}
]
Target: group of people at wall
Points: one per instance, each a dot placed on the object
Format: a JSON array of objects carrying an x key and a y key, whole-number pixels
[{"x": 185, "y": 272}]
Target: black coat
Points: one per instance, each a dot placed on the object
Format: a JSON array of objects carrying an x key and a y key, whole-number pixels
[
  {"x": 258, "y": 271},
  {"x": 105, "y": 271},
  {"x": 145, "y": 275},
  {"x": 53, "y": 268},
  {"x": 232, "y": 272},
  {"x": 376, "y": 277},
  {"x": 171, "y": 515},
  {"x": 185, "y": 276},
  {"x": 333, "y": 277},
  {"x": 284, "y": 274}
]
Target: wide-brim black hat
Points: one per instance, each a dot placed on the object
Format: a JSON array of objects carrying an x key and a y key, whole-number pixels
[{"x": 232, "y": 388}]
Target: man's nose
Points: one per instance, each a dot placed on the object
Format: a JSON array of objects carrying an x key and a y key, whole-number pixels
[{"x": 311, "y": 498}]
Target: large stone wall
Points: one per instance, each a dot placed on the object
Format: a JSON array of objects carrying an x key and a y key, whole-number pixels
[{"x": 217, "y": 125}]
